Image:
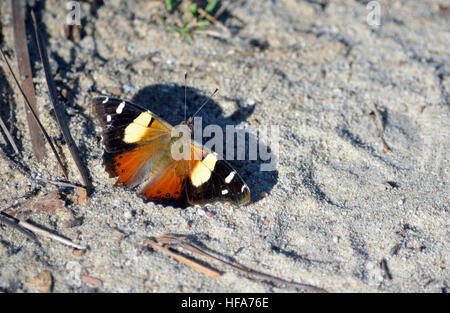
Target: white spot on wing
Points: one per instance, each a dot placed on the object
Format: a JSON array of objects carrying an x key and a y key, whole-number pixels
[
  {"x": 108, "y": 118},
  {"x": 224, "y": 192},
  {"x": 230, "y": 177},
  {"x": 243, "y": 188},
  {"x": 106, "y": 100},
  {"x": 120, "y": 107}
]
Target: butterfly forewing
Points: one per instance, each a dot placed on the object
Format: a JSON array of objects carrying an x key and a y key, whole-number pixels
[{"x": 126, "y": 125}]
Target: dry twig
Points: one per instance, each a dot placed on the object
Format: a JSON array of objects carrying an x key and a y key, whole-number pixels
[
  {"x": 35, "y": 116},
  {"x": 195, "y": 265},
  {"x": 13, "y": 223},
  {"x": 222, "y": 9},
  {"x": 59, "y": 109},
  {"x": 2, "y": 139},
  {"x": 213, "y": 20},
  {"x": 180, "y": 241},
  {"x": 212, "y": 33},
  {"x": 35, "y": 229},
  {"x": 380, "y": 126},
  {"x": 8, "y": 135},
  {"x": 63, "y": 183},
  {"x": 23, "y": 62},
  {"x": 150, "y": 5},
  {"x": 50, "y": 235}
]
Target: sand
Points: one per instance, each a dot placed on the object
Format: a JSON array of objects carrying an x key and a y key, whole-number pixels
[{"x": 339, "y": 212}]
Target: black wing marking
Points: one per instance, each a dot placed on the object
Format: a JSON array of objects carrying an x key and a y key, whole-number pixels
[
  {"x": 114, "y": 123},
  {"x": 115, "y": 115},
  {"x": 224, "y": 185}
]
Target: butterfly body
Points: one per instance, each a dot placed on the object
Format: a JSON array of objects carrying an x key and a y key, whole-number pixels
[{"x": 139, "y": 151}]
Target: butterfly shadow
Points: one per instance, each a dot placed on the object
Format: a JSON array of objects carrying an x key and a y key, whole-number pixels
[{"x": 168, "y": 102}]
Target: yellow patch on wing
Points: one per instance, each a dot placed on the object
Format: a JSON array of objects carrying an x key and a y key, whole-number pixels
[
  {"x": 202, "y": 170},
  {"x": 138, "y": 129}
]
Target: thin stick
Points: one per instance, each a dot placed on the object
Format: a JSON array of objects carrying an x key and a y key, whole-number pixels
[
  {"x": 35, "y": 117},
  {"x": 34, "y": 229},
  {"x": 8, "y": 135},
  {"x": 23, "y": 63},
  {"x": 213, "y": 20},
  {"x": 205, "y": 270},
  {"x": 3, "y": 140},
  {"x": 50, "y": 235},
  {"x": 212, "y": 33},
  {"x": 185, "y": 99},
  {"x": 64, "y": 183},
  {"x": 11, "y": 221},
  {"x": 173, "y": 240},
  {"x": 222, "y": 9},
  {"x": 59, "y": 110},
  {"x": 380, "y": 127},
  {"x": 148, "y": 6}
]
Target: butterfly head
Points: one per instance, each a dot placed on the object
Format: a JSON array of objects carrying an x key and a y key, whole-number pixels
[{"x": 189, "y": 123}]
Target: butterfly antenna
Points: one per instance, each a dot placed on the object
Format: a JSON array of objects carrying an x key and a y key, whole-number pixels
[
  {"x": 206, "y": 101},
  {"x": 185, "y": 99}
]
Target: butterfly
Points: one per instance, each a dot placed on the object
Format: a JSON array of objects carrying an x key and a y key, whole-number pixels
[{"x": 138, "y": 151}]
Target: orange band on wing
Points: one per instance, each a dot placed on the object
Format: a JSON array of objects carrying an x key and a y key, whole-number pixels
[
  {"x": 127, "y": 164},
  {"x": 168, "y": 186},
  {"x": 171, "y": 183}
]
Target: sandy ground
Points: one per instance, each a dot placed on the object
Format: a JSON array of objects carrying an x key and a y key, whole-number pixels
[{"x": 338, "y": 213}]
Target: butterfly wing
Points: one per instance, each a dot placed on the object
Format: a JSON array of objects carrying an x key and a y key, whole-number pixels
[
  {"x": 167, "y": 182},
  {"x": 214, "y": 180},
  {"x": 201, "y": 179},
  {"x": 126, "y": 125},
  {"x": 134, "y": 139}
]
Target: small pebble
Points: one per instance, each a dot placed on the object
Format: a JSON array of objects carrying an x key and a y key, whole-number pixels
[
  {"x": 201, "y": 212},
  {"x": 92, "y": 280},
  {"x": 78, "y": 252},
  {"x": 43, "y": 282}
]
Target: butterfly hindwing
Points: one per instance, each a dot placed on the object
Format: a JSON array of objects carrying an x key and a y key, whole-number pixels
[
  {"x": 214, "y": 180},
  {"x": 167, "y": 184}
]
